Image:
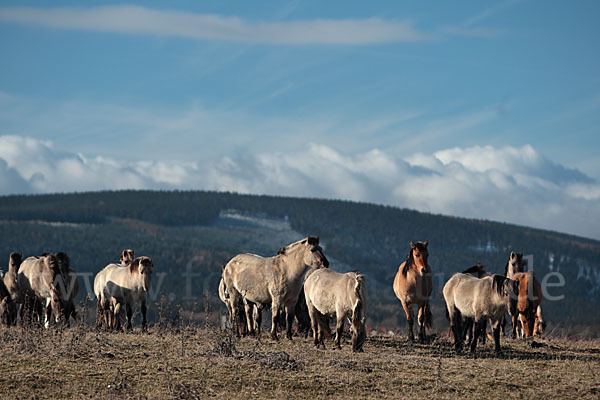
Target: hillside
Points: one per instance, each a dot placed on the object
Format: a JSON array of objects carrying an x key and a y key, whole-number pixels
[{"x": 198, "y": 231}]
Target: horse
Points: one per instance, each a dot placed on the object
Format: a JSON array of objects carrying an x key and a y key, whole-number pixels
[
  {"x": 126, "y": 257},
  {"x": 276, "y": 280},
  {"x": 413, "y": 285},
  {"x": 8, "y": 309},
  {"x": 71, "y": 289},
  {"x": 328, "y": 292},
  {"x": 477, "y": 271},
  {"x": 125, "y": 260},
  {"x": 514, "y": 265},
  {"x": 11, "y": 277},
  {"x": 116, "y": 285},
  {"x": 41, "y": 280},
  {"x": 482, "y": 299},
  {"x": 529, "y": 320}
]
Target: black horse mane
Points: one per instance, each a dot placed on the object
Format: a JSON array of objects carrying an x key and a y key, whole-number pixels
[
  {"x": 497, "y": 283},
  {"x": 475, "y": 270},
  {"x": 408, "y": 263}
]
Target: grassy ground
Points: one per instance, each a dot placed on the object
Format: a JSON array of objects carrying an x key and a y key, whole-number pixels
[{"x": 204, "y": 362}]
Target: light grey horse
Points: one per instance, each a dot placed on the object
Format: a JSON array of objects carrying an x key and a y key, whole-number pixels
[
  {"x": 344, "y": 296},
  {"x": 273, "y": 280},
  {"x": 482, "y": 299}
]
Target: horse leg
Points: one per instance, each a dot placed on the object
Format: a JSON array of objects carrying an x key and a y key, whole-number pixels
[
  {"x": 257, "y": 314},
  {"x": 47, "y": 314},
  {"x": 274, "y": 319},
  {"x": 314, "y": 322},
  {"x": 410, "y": 318},
  {"x": 515, "y": 322},
  {"x": 476, "y": 333},
  {"x": 116, "y": 317},
  {"x": 289, "y": 311},
  {"x": 144, "y": 310},
  {"x": 496, "y": 329},
  {"x": 248, "y": 309},
  {"x": 468, "y": 327},
  {"x": 421, "y": 319},
  {"x": 339, "y": 327},
  {"x": 455, "y": 325},
  {"x": 129, "y": 311},
  {"x": 99, "y": 314},
  {"x": 483, "y": 333}
]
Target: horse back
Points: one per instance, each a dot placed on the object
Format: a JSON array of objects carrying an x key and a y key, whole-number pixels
[{"x": 255, "y": 277}]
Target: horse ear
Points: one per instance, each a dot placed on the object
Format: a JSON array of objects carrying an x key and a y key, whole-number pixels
[
  {"x": 412, "y": 245},
  {"x": 512, "y": 255},
  {"x": 426, "y": 243}
]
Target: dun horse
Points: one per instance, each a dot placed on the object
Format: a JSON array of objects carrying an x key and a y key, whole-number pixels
[
  {"x": 11, "y": 277},
  {"x": 40, "y": 279},
  {"x": 8, "y": 309},
  {"x": 116, "y": 285},
  {"x": 274, "y": 280},
  {"x": 514, "y": 265},
  {"x": 529, "y": 321},
  {"x": 344, "y": 295},
  {"x": 413, "y": 285},
  {"x": 477, "y": 271},
  {"x": 482, "y": 299}
]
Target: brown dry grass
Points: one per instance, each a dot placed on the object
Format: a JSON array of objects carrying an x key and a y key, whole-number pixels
[{"x": 193, "y": 362}]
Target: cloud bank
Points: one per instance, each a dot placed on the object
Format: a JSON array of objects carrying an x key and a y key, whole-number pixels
[
  {"x": 145, "y": 21},
  {"x": 510, "y": 184}
]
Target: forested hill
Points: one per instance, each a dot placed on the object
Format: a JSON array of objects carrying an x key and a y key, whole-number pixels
[{"x": 201, "y": 230}]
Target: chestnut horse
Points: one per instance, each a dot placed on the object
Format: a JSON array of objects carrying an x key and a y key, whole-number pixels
[
  {"x": 529, "y": 320},
  {"x": 413, "y": 285}
]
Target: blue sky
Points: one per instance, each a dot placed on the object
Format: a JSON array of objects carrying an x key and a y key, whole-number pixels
[{"x": 375, "y": 95}]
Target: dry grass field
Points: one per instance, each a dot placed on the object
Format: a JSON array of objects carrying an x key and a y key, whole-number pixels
[{"x": 203, "y": 362}]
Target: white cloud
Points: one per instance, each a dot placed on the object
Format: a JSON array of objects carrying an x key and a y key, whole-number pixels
[
  {"x": 512, "y": 184},
  {"x": 145, "y": 21}
]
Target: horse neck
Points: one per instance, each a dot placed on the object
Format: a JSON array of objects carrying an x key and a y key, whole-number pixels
[
  {"x": 294, "y": 263},
  {"x": 13, "y": 269}
]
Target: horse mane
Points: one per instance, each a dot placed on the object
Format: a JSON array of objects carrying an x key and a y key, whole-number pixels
[
  {"x": 408, "y": 263},
  {"x": 311, "y": 240},
  {"x": 52, "y": 263},
  {"x": 476, "y": 269},
  {"x": 498, "y": 283},
  {"x": 135, "y": 265}
]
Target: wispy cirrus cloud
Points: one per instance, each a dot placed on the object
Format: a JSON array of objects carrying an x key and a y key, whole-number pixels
[{"x": 146, "y": 21}]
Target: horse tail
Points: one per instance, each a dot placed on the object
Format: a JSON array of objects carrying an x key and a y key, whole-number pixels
[
  {"x": 358, "y": 305},
  {"x": 429, "y": 317},
  {"x": 358, "y": 317}
]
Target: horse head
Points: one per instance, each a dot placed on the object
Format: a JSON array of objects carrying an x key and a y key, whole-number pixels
[
  {"x": 142, "y": 266},
  {"x": 514, "y": 264},
  {"x": 126, "y": 257},
  {"x": 420, "y": 254},
  {"x": 15, "y": 260},
  {"x": 313, "y": 253}
]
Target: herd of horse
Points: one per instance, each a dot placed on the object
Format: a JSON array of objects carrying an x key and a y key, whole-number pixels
[
  {"x": 297, "y": 284},
  {"x": 45, "y": 286},
  {"x": 473, "y": 297}
]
